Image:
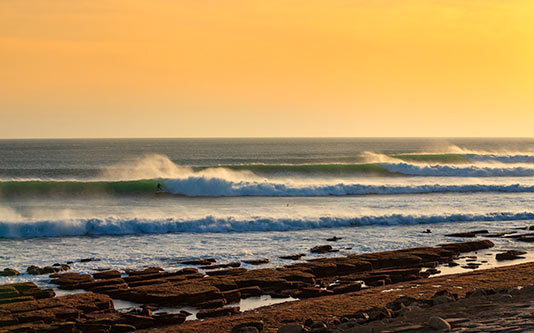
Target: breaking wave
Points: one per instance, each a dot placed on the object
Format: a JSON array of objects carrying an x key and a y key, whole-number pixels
[
  {"x": 220, "y": 187},
  {"x": 458, "y": 171},
  {"x": 199, "y": 187},
  {"x": 210, "y": 224}
]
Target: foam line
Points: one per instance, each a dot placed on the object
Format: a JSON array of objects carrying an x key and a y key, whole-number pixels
[{"x": 210, "y": 224}]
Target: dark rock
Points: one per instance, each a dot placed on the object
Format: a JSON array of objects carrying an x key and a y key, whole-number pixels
[
  {"x": 320, "y": 268},
  {"x": 146, "y": 271},
  {"x": 231, "y": 271},
  {"x": 321, "y": 249},
  {"x": 308, "y": 322},
  {"x": 462, "y": 234},
  {"x": 212, "y": 304},
  {"x": 8, "y": 291},
  {"x": 463, "y": 247},
  {"x": 442, "y": 297},
  {"x": 112, "y": 274},
  {"x": 471, "y": 265},
  {"x": 198, "y": 262},
  {"x": 510, "y": 255},
  {"x": 333, "y": 239},
  {"x": 256, "y": 261},
  {"x": 346, "y": 288},
  {"x": 393, "y": 259},
  {"x": 231, "y": 264},
  {"x": 16, "y": 299},
  {"x": 207, "y": 313},
  {"x": 318, "y": 325},
  {"x": 233, "y": 296},
  {"x": 311, "y": 292},
  {"x": 377, "y": 283},
  {"x": 163, "y": 319},
  {"x": 433, "y": 271},
  {"x": 88, "y": 259},
  {"x": 293, "y": 257},
  {"x": 36, "y": 270},
  {"x": 468, "y": 233},
  {"x": 9, "y": 272},
  {"x": 361, "y": 316},
  {"x": 527, "y": 239},
  {"x": 138, "y": 321},
  {"x": 398, "y": 275},
  {"x": 378, "y": 313},
  {"x": 66, "y": 313},
  {"x": 250, "y": 291},
  {"x": 223, "y": 284},
  {"x": 401, "y": 302}
]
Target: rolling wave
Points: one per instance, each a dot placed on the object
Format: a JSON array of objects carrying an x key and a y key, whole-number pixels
[
  {"x": 210, "y": 224},
  {"x": 220, "y": 187},
  {"x": 457, "y": 171},
  {"x": 216, "y": 187}
]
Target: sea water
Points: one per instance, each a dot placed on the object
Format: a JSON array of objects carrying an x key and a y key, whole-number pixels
[{"x": 235, "y": 199}]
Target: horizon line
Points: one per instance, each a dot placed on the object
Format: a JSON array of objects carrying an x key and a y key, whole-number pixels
[{"x": 269, "y": 137}]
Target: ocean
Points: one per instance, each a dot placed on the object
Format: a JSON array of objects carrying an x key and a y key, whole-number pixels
[{"x": 235, "y": 199}]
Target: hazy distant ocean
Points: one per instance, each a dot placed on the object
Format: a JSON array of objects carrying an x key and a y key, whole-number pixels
[{"x": 232, "y": 199}]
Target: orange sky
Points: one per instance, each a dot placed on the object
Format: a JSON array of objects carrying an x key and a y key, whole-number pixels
[{"x": 210, "y": 68}]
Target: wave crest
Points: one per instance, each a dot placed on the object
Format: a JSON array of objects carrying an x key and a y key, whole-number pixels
[
  {"x": 457, "y": 171},
  {"x": 210, "y": 224},
  {"x": 215, "y": 187},
  {"x": 220, "y": 187}
]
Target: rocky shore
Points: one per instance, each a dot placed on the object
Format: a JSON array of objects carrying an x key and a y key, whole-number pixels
[
  {"x": 497, "y": 299},
  {"x": 330, "y": 291}
]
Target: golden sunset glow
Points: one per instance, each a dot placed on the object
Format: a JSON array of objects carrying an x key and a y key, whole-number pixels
[{"x": 206, "y": 68}]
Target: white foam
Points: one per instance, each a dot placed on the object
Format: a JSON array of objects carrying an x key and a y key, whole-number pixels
[
  {"x": 211, "y": 224},
  {"x": 458, "y": 171},
  {"x": 217, "y": 187}
]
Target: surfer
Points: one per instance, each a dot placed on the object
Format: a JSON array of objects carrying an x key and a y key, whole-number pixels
[{"x": 159, "y": 188}]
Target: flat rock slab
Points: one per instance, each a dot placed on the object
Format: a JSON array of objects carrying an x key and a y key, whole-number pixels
[{"x": 337, "y": 306}]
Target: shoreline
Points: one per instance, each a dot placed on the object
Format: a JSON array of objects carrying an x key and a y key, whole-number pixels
[{"x": 319, "y": 289}]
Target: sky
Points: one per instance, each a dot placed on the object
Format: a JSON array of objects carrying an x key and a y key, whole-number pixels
[{"x": 266, "y": 68}]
